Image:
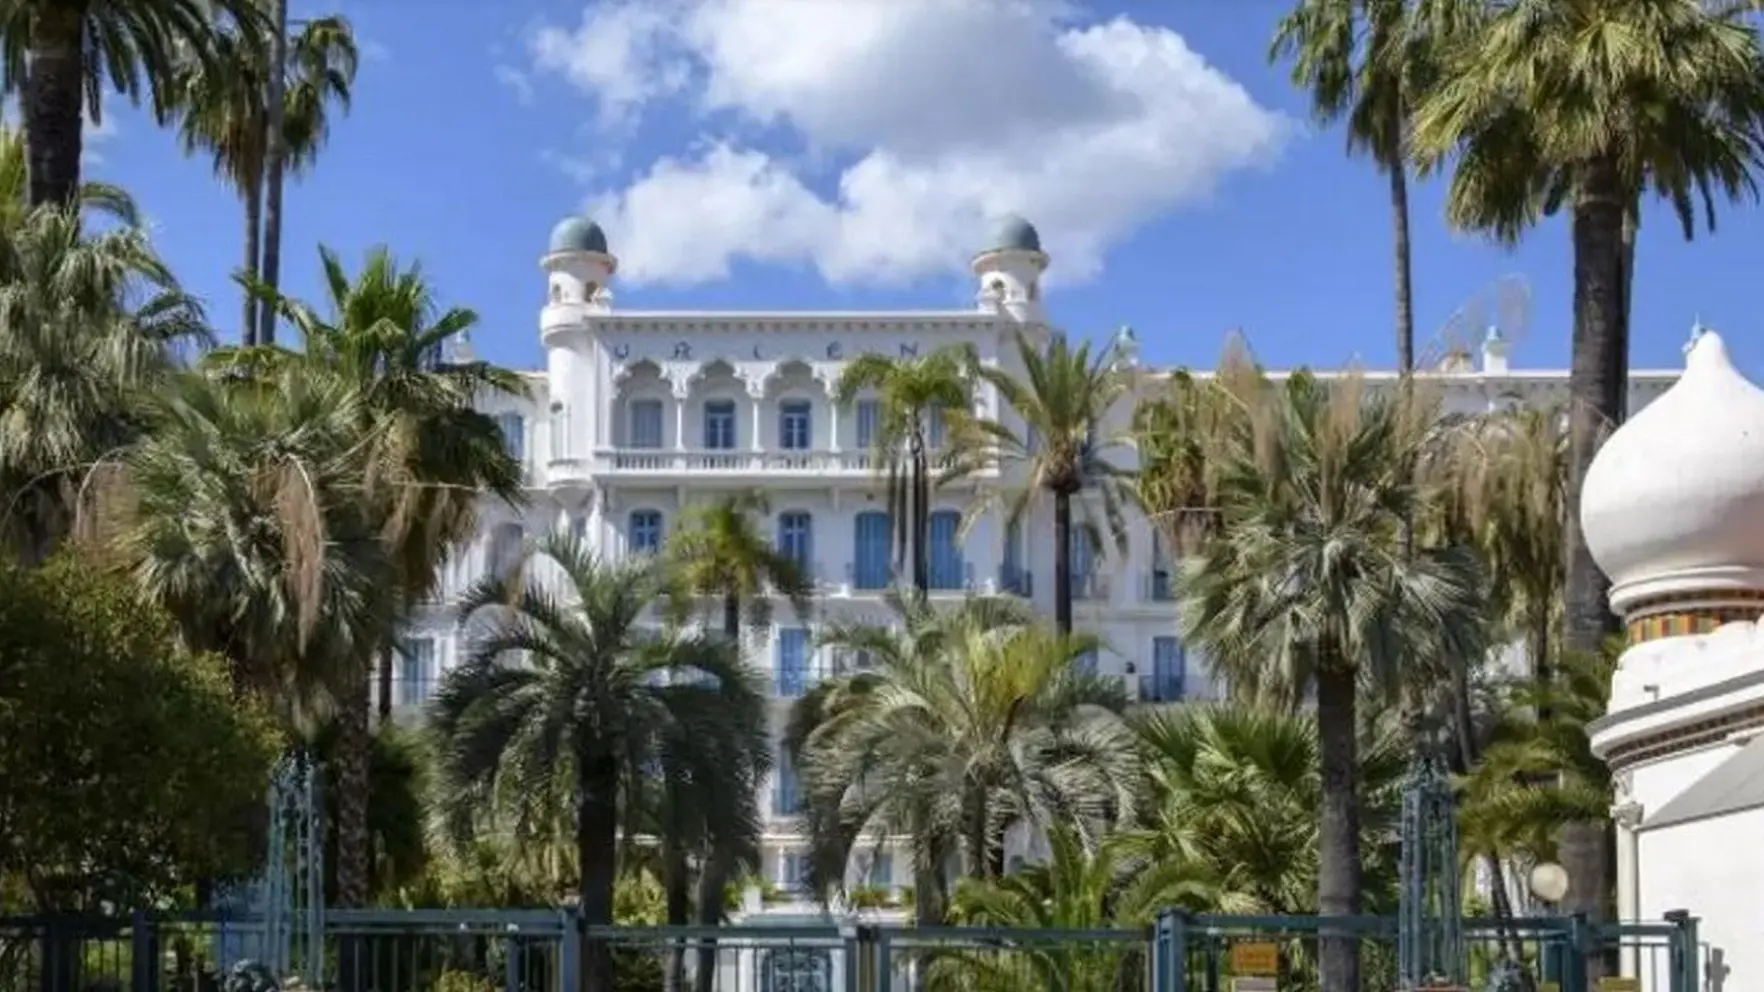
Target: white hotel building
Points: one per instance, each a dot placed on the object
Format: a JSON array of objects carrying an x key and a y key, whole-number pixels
[{"x": 638, "y": 414}]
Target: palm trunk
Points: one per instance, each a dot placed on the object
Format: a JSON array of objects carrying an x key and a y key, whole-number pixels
[
  {"x": 712, "y": 877},
  {"x": 1338, "y": 875},
  {"x": 354, "y": 760},
  {"x": 53, "y": 92},
  {"x": 1063, "y": 562},
  {"x": 732, "y": 618},
  {"x": 1596, "y": 384},
  {"x": 275, "y": 164},
  {"x": 921, "y": 516},
  {"x": 597, "y": 837},
  {"x": 1405, "y": 301},
  {"x": 384, "y": 672},
  {"x": 253, "y": 197},
  {"x": 678, "y": 874}
]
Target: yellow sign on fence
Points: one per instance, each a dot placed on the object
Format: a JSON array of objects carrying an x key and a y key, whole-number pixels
[
  {"x": 1258, "y": 960},
  {"x": 1549, "y": 987},
  {"x": 1619, "y": 985}
]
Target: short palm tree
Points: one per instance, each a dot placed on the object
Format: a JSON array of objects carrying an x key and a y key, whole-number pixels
[
  {"x": 1308, "y": 583},
  {"x": 222, "y": 106},
  {"x": 717, "y": 552},
  {"x": 571, "y": 677},
  {"x": 964, "y": 723},
  {"x": 909, "y": 393},
  {"x": 1063, "y": 398},
  {"x": 60, "y": 54}
]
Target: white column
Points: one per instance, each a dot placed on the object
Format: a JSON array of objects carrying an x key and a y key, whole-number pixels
[
  {"x": 680, "y": 394},
  {"x": 1628, "y": 817},
  {"x": 756, "y": 393}
]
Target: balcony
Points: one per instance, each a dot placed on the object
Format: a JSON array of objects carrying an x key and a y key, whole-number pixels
[
  {"x": 867, "y": 579},
  {"x": 710, "y": 465}
]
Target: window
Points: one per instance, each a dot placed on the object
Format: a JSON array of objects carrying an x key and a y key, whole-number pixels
[
  {"x": 934, "y": 427},
  {"x": 505, "y": 549},
  {"x": 881, "y": 870},
  {"x": 646, "y": 424},
  {"x": 719, "y": 425},
  {"x": 794, "y": 431},
  {"x": 1169, "y": 672},
  {"x": 416, "y": 672},
  {"x": 1013, "y": 577},
  {"x": 645, "y": 535},
  {"x": 513, "y": 428},
  {"x": 869, "y": 420},
  {"x": 796, "y": 539},
  {"x": 1162, "y": 590},
  {"x": 792, "y": 661},
  {"x": 870, "y": 568},
  {"x": 793, "y": 871},
  {"x": 1083, "y": 563},
  {"x": 786, "y": 790},
  {"x": 944, "y": 553}
]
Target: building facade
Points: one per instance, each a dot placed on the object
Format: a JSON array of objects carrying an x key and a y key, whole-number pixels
[{"x": 639, "y": 414}]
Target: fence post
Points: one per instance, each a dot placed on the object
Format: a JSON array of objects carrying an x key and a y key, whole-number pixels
[
  {"x": 511, "y": 963},
  {"x": 569, "y": 953},
  {"x": 1169, "y": 951},
  {"x": 143, "y": 955},
  {"x": 1580, "y": 940},
  {"x": 1684, "y": 951}
]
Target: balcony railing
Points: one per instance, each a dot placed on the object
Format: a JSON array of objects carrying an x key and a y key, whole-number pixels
[{"x": 676, "y": 461}]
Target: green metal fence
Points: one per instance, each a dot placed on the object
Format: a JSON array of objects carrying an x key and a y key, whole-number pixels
[{"x": 543, "y": 951}]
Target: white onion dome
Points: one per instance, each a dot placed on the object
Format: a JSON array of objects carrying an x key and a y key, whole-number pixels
[{"x": 1673, "y": 504}]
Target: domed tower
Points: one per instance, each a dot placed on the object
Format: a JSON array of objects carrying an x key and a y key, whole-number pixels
[
  {"x": 1010, "y": 271},
  {"x": 1673, "y": 511},
  {"x": 578, "y": 266}
]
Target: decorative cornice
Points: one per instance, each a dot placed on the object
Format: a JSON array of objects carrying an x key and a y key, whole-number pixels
[{"x": 934, "y": 321}]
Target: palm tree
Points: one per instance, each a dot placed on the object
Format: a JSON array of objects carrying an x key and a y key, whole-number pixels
[
  {"x": 88, "y": 325},
  {"x": 1108, "y": 887},
  {"x": 1308, "y": 582},
  {"x": 718, "y": 553},
  {"x": 1364, "y": 62},
  {"x": 909, "y": 393},
  {"x": 60, "y": 53},
  {"x": 1063, "y": 398},
  {"x": 223, "y": 104},
  {"x": 576, "y": 681},
  {"x": 428, "y": 458},
  {"x": 112, "y": 202},
  {"x": 1591, "y": 106},
  {"x": 964, "y": 723}
]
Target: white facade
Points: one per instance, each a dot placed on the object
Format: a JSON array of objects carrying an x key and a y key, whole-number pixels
[
  {"x": 1674, "y": 511},
  {"x": 639, "y": 413}
]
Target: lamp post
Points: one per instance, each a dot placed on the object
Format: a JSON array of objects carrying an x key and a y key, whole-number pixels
[{"x": 1430, "y": 913}]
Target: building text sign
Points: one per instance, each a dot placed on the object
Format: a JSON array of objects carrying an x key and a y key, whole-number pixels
[{"x": 1256, "y": 960}]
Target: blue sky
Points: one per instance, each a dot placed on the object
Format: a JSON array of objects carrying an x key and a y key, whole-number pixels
[{"x": 846, "y": 154}]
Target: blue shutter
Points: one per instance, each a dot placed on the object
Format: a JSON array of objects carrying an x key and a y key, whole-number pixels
[
  {"x": 645, "y": 532},
  {"x": 513, "y": 428},
  {"x": 786, "y": 795},
  {"x": 416, "y": 672},
  {"x": 1083, "y": 560},
  {"x": 934, "y": 427},
  {"x": 646, "y": 424},
  {"x": 944, "y": 553},
  {"x": 719, "y": 425},
  {"x": 869, "y": 417},
  {"x": 1169, "y": 670},
  {"x": 792, "y": 662},
  {"x": 882, "y": 870},
  {"x": 870, "y": 555},
  {"x": 794, "y": 425},
  {"x": 796, "y": 539}
]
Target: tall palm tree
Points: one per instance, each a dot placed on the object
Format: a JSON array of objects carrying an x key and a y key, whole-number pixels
[
  {"x": 1363, "y": 62},
  {"x": 570, "y": 677},
  {"x": 59, "y": 54},
  {"x": 909, "y": 392},
  {"x": 428, "y": 457},
  {"x": 965, "y": 722},
  {"x": 1063, "y": 397},
  {"x": 223, "y": 106},
  {"x": 88, "y": 325},
  {"x": 717, "y": 552},
  {"x": 1547, "y": 104},
  {"x": 1308, "y": 582}
]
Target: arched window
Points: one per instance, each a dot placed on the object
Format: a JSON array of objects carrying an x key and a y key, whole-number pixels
[
  {"x": 944, "y": 554},
  {"x": 869, "y": 567},
  {"x": 645, "y": 533}
]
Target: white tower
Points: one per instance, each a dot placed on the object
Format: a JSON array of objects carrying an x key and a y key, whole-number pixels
[
  {"x": 1010, "y": 271},
  {"x": 577, "y": 267}
]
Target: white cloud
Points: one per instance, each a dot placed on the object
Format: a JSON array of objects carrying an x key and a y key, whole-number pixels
[
  {"x": 516, "y": 82},
  {"x": 943, "y": 115}
]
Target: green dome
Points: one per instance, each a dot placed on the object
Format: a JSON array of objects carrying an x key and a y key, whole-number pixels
[
  {"x": 1016, "y": 234},
  {"x": 577, "y": 234}
]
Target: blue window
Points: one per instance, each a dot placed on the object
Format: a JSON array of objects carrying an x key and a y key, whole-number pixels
[
  {"x": 794, "y": 872},
  {"x": 794, "y": 425},
  {"x": 506, "y": 545},
  {"x": 1162, "y": 589},
  {"x": 786, "y": 791},
  {"x": 796, "y": 539},
  {"x": 719, "y": 425},
  {"x": 513, "y": 428},
  {"x": 1169, "y": 671},
  {"x": 944, "y": 554},
  {"x": 934, "y": 427},
  {"x": 870, "y": 568},
  {"x": 646, "y": 424},
  {"x": 881, "y": 870},
  {"x": 1087, "y": 662},
  {"x": 416, "y": 672},
  {"x": 793, "y": 661},
  {"x": 645, "y": 536},
  {"x": 869, "y": 420},
  {"x": 1083, "y": 562}
]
